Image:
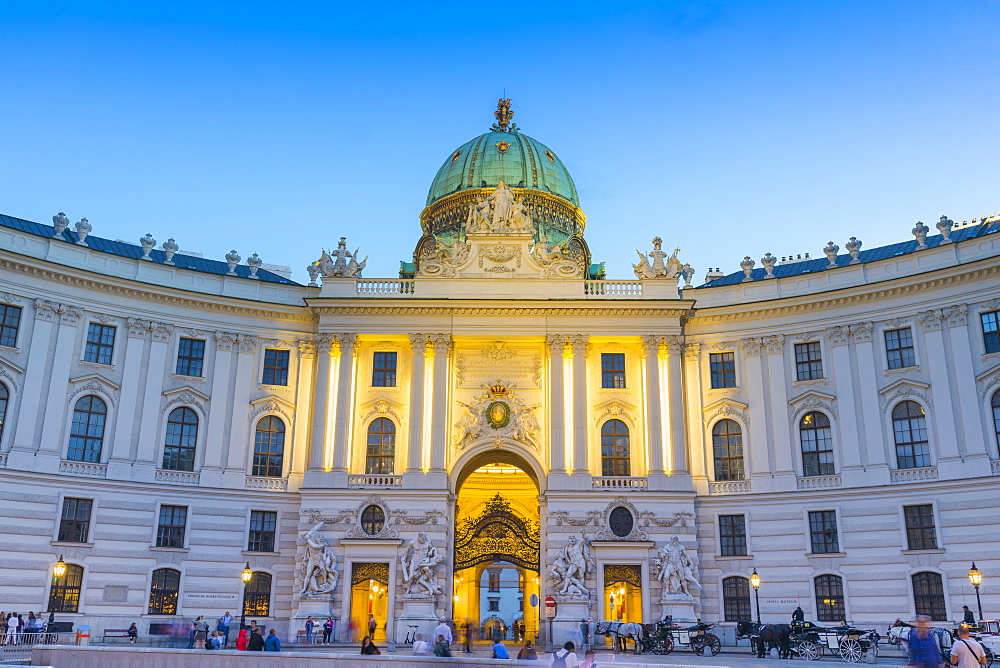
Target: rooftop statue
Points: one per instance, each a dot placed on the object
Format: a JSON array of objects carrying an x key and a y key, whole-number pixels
[
  {"x": 502, "y": 211},
  {"x": 658, "y": 269},
  {"x": 340, "y": 263}
]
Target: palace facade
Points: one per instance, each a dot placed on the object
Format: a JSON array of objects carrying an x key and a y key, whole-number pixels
[{"x": 169, "y": 421}]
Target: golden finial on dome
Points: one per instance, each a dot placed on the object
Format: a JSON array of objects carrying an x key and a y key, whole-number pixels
[{"x": 504, "y": 114}]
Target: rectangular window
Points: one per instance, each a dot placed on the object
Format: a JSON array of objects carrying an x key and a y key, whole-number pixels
[
  {"x": 823, "y": 531},
  {"x": 899, "y": 348},
  {"x": 170, "y": 532},
  {"x": 921, "y": 533},
  {"x": 808, "y": 361},
  {"x": 384, "y": 369},
  {"x": 262, "y": 528},
  {"x": 733, "y": 535},
  {"x": 494, "y": 605},
  {"x": 991, "y": 331},
  {"x": 10, "y": 320},
  {"x": 723, "y": 368},
  {"x": 275, "y": 367},
  {"x": 74, "y": 526},
  {"x": 190, "y": 357},
  {"x": 613, "y": 370},
  {"x": 100, "y": 343}
]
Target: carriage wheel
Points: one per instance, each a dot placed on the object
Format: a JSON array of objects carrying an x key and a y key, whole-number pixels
[
  {"x": 713, "y": 643},
  {"x": 809, "y": 650},
  {"x": 850, "y": 650},
  {"x": 668, "y": 645}
]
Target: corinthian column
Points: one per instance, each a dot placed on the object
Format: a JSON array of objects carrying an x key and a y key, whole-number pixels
[
  {"x": 345, "y": 387},
  {"x": 557, "y": 415},
  {"x": 418, "y": 358},
  {"x": 675, "y": 406},
  {"x": 321, "y": 403},
  {"x": 439, "y": 401},
  {"x": 654, "y": 423},
  {"x": 579, "y": 343}
]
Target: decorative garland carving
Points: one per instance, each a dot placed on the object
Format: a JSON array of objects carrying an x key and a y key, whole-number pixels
[
  {"x": 386, "y": 532},
  {"x": 430, "y": 516},
  {"x": 679, "y": 519}
]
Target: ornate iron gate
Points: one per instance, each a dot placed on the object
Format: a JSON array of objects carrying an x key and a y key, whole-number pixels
[{"x": 497, "y": 534}]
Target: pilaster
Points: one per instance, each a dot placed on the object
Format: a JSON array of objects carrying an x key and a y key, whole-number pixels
[
  {"x": 345, "y": 390},
  {"x": 34, "y": 380},
  {"x": 121, "y": 447},
  {"x": 578, "y": 343},
  {"x": 147, "y": 446},
  {"x": 55, "y": 404},
  {"x": 654, "y": 404},
  {"x": 414, "y": 445},
  {"x": 439, "y": 402},
  {"x": 557, "y": 416}
]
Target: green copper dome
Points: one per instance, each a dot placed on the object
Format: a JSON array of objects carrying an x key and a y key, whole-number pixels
[{"x": 508, "y": 156}]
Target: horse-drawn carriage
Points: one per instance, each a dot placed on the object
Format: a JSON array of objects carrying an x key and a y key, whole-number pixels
[
  {"x": 662, "y": 637},
  {"x": 987, "y": 632},
  {"x": 811, "y": 642}
]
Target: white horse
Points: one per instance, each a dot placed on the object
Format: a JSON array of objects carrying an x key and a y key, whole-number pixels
[{"x": 620, "y": 631}]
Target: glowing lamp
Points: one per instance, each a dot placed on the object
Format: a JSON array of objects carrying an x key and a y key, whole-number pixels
[
  {"x": 247, "y": 574},
  {"x": 59, "y": 568},
  {"x": 755, "y": 579},
  {"x": 975, "y": 577}
]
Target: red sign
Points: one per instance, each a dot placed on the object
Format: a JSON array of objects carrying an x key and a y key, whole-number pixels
[{"x": 550, "y": 602}]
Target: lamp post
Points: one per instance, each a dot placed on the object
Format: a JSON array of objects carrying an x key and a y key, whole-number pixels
[
  {"x": 58, "y": 570},
  {"x": 246, "y": 576},
  {"x": 976, "y": 578},
  {"x": 755, "y": 583}
]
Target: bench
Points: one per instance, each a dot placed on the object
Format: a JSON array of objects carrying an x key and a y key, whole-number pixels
[{"x": 114, "y": 633}]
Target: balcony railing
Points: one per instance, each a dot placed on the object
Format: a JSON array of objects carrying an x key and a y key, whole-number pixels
[
  {"x": 374, "y": 480},
  {"x": 913, "y": 475},
  {"x": 620, "y": 482},
  {"x": 819, "y": 482},
  {"x": 380, "y": 288},
  {"x": 606, "y": 289},
  {"x": 89, "y": 469},
  {"x": 261, "y": 482},
  {"x": 178, "y": 477},
  {"x": 729, "y": 487}
]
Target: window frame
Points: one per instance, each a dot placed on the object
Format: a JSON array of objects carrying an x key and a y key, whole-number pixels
[
  {"x": 190, "y": 358},
  {"x": 729, "y": 457},
  {"x": 62, "y": 518},
  {"x": 96, "y": 350},
  {"x": 991, "y": 338},
  {"x": 904, "y": 357},
  {"x": 184, "y": 452},
  {"x": 920, "y": 459},
  {"x": 933, "y": 609},
  {"x": 824, "y": 533},
  {"x": 276, "y": 367},
  {"x": 10, "y": 330},
  {"x": 382, "y": 460},
  {"x": 269, "y": 455},
  {"x": 995, "y": 408},
  {"x": 161, "y": 595},
  {"x": 86, "y": 453},
  {"x": 731, "y": 550},
  {"x": 163, "y": 539},
  {"x": 819, "y": 467},
  {"x": 252, "y": 587},
  {"x": 251, "y": 542},
  {"x": 613, "y": 377},
  {"x": 616, "y": 462},
  {"x": 829, "y": 612},
  {"x": 735, "y": 607},
  {"x": 4, "y": 405},
  {"x": 908, "y": 531},
  {"x": 722, "y": 373},
  {"x": 384, "y": 374},
  {"x": 809, "y": 367},
  {"x": 73, "y": 591}
]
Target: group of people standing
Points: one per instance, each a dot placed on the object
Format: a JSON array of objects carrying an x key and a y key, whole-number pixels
[
  {"x": 250, "y": 639},
  {"x": 13, "y": 626}
]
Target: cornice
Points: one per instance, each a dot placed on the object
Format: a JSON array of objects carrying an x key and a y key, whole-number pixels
[
  {"x": 412, "y": 309},
  {"x": 108, "y": 287},
  {"x": 774, "y": 307}
]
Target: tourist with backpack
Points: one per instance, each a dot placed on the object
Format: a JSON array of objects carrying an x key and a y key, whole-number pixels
[{"x": 564, "y": 658}]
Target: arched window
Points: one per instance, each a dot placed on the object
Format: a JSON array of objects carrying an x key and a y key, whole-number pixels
[
  {"x": 817, "y": 444},
  {"x": 829, "y": 598},
  {"x": 736, "y": 598},
  {"x": 182, "y": 435},
  {"x": 87, "y": 433},
  {"x": 64, "y": 596},
  {"x": 5, "y": 397},
  {"x": 996, "y": 415},
  {"x": 909, "y": 428},
  {"x": 727, "y": 444},
  {"x": 928, "y": 595},
  {"x": 163, "y": 591},
  {"x": 257, "y": 595},
  {"x": 269, "y": 447},
  {"x": 381, "y": 455},
  {"x": 615, "y": 449}
]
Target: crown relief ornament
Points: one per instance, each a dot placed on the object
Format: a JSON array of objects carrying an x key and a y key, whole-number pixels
[
  {"x": 498, "y": 413},
  {"x": 340, "y": 263}
]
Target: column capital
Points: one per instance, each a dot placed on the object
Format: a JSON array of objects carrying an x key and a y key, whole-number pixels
[
  {"x": 674, "y": 343},
  {"x": 579, "y": 343},
  {"x": 931, "y": 320},
  {"x": 307, "y": 349},
  {"x": 862, "y": 331},
  {"x": 225, "y": 341},
  {"x": 838, "y": 335},
  {"x": 775, "y": 344},
  {"x": 441, "y": 342},
  {"x": 69, "y": 315},
  {"x": 556, "y": 343},
  {"x": 248, "y": 343},
  {"x": 419, "y": 343},
  {"x": 651, "y": 344},
  {"x": 956, "y": 314},
  {"x": 692, "y": 352},
  {"x": 137, "y": 328},
  {"x": 45, "y": 309},
  {"x": 751, "y": 345},
  {"x": 347, "y": 343},
  {"x": 161, "y": 331}
]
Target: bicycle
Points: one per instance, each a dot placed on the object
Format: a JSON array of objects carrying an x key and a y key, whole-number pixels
[{"x": 411, "y": 635}]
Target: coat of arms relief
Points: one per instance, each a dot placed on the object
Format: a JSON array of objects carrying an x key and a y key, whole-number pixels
[{"x": 500, "y": 414}]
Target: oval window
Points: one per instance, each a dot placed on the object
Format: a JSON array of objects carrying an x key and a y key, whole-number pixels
[
  {"x": 372, "y": 520},
  {"x": 620, "y": 522}
]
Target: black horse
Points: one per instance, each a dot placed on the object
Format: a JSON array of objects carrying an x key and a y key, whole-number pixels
[{"x": 763, "y": 637}]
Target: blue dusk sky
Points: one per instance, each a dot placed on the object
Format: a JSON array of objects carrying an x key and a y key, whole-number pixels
[{"x": 727, "y": 128}]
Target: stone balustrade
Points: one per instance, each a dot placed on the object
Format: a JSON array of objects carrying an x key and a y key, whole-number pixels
[
  {"x": 178, "y": 477},
  {"x": 373, "y": 480},
  {"x": 273, "y": 484},
  {"x": 386, "y": 287},
  {"x": 604, "y": 289},
  {"x": 88, "y": 469},
  {"x": 913, "y": 475},
  {"x": 819, "y": 482},
  {"x": 729, "y": 487},
  {"x": 621, "y": 482}
]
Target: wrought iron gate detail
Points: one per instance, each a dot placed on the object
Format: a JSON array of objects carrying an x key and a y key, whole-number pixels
[{"x": 497, "y": 534}]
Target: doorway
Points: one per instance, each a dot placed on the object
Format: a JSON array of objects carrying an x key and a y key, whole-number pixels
[
  {"x": 623, "y": 593},
  {"x": 369, "y": 601}
]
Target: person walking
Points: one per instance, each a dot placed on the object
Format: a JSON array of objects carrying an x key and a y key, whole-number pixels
[
  {"x": 969, "y": 619},
  {"x": 242, "y": 640},
  {"x": 256, "y": 642},
  {"x": 225, "y": 621},
  {"x": 922, "y": 645},
  {"x": 527, "y": 652},
  {"x": 966, "y": 652},
  {"x": 327, "y": 630},
  {"x": 310, "y": 625},
  {"x": 271, "y": 643},
  {"x": 368, "y": 647},
  {"x": 420, "y": 646},
  {"x": 564, "y": 658}
]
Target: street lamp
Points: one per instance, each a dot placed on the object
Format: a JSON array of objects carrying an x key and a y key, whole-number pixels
[
  {"x": 755, "y": 583},
  {"x": 58, "y": 570},
  {"x": 246, "y": 576},
  {"x": 976, "y": 578}
]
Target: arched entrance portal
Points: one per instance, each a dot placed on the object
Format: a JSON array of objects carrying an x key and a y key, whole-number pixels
[{"x": 497, "y": 552}]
